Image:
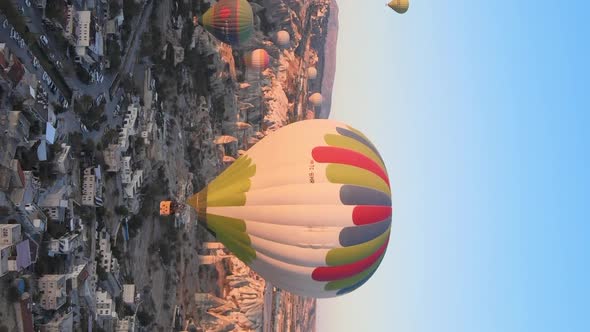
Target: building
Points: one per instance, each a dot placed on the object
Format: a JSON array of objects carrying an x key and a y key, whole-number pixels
[
  {"x": 23, "y": 255},
  {"x": 63, "y": 161},
  {"x": 60, "y": 323},
  {"x": 81, "y": 29},
  {"x": 105, "y": 306},
  {"x": 126, "y": 324},
  {"x": 10, "y": 234},
  {"x": 132, "y": 188},
  {"x": 52, "y": 288},
  {"x": 88, "y": 188},
  {"x": 128, "y": 126},
  {"x": 129, "y": 293},
  {"x": 65, "y": 245},
  {"x": 79, "y": 275},
  {"x": 54, "y": 204},
  {"x": 5, "y": 252},
  {"x": 107, "y": 262}
]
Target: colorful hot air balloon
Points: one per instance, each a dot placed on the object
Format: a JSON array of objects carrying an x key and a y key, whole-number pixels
[
  {"x": 308, "y": 208},
  {"x": 283, "y": 38},
  {"x": 258, "y": 59},
  {"x": 230, "y": 21},
  {"x": 312, "y": 73},
  {"x": 400, "y": 6},
  {"x": 316, "y": 99}
]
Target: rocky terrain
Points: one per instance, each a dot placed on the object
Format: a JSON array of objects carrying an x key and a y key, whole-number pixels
[{"x": 203, "y": 89}]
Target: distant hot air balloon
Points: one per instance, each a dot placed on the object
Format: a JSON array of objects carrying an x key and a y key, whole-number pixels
[
  {"x": 258, "y": 59},
  {"x": 230, "y": 21},
  {"x": 400, "y": 6},
  {"x": 312, "y": 73},
  {"x": 308, "y": 208},
  {"x": 283, "y": 38},
  {"x": 316, "y": 99}
]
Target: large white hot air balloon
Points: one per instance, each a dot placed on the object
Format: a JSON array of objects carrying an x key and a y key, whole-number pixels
[{"x": 308, "y": 208}]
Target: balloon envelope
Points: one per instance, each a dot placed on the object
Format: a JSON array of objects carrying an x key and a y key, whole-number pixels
[
  {"x": 283, "y": 38},
  {"x": 312, "y": 73},
  {"x": 308, "y": 208},
  {"x": 230, "y": 21},
  {"x": 400, "y": 6},
  {"x": 316, "y": 99},
  {"x": 258, "y": 59}
]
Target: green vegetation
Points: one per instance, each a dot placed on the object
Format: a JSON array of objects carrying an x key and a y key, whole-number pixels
[
  {"x": 114, "y": 54},
  {"x": 13, "y": 295},
  {"x": 121, "y": 210},
  {"x": 55, "y": 10},
  {"x": 90, "y": 115}
]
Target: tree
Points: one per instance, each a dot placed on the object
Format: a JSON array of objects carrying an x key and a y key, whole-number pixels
[
  {"x": 13, "y": 294},
  {"x": 121, "y": 210},
  {"x": 83, "y": 105},
  {"x": 114, "y": 50}
]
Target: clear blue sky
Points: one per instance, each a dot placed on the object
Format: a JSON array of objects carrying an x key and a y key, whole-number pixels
[{"x": 481, "y": 111}]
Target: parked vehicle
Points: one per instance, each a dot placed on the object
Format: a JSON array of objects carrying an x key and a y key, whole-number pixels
[{"x": 44, "y": 40}]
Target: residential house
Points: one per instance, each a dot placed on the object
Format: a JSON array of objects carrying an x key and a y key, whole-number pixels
[
  {"x": 54, "y": 204},
  {"x": 105, "y": 306},
  {"x": 79, "y": 275},
  {"x": 65, "y": 245},
  {"x": 88, "y": 188},
  {"x": 128, "y": 125},
  {"x": 23, "y": 255},
  {"x": 107, "y": 262},
  {"x": 132, "y": 188},
  {"x": 63, "y": 161},
  {"x": 10, "y": 234},
  {"x": 52, "y": 288}
]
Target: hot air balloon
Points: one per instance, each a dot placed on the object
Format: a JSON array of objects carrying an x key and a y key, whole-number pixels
[
  {"x": 283, "y": 38},
  {"x": 400, "y": 6},
  {"x": 312, "y": 73},
  {"x": 316, "y": 99},
  {"x": 230, "y": 21},
  {"x": 308, "y": 208},
  {"x": 257, "y": 59}
]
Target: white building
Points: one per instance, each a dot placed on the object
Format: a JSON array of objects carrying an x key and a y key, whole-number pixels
[
  {"x": 65, "y": 244},
  {"x": 88, "y": 188},
  {"x": 4, "y": 255},
  {"x": 107, "y": 262},
  {"x": 10, "y": 234},
  {"x": 52, "y": 288},
  {"x": 129, "y": 293},
  {"x": 128, "y": 126},
  {"x": 105, "y": 306},
  {"x": 64, "y": 159},
  {"x": 82, "y": 29},
  {"x": 132, "y": 188},
  {"x": 78, "y": 276},
  {"x": 54, "y": 205}
]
